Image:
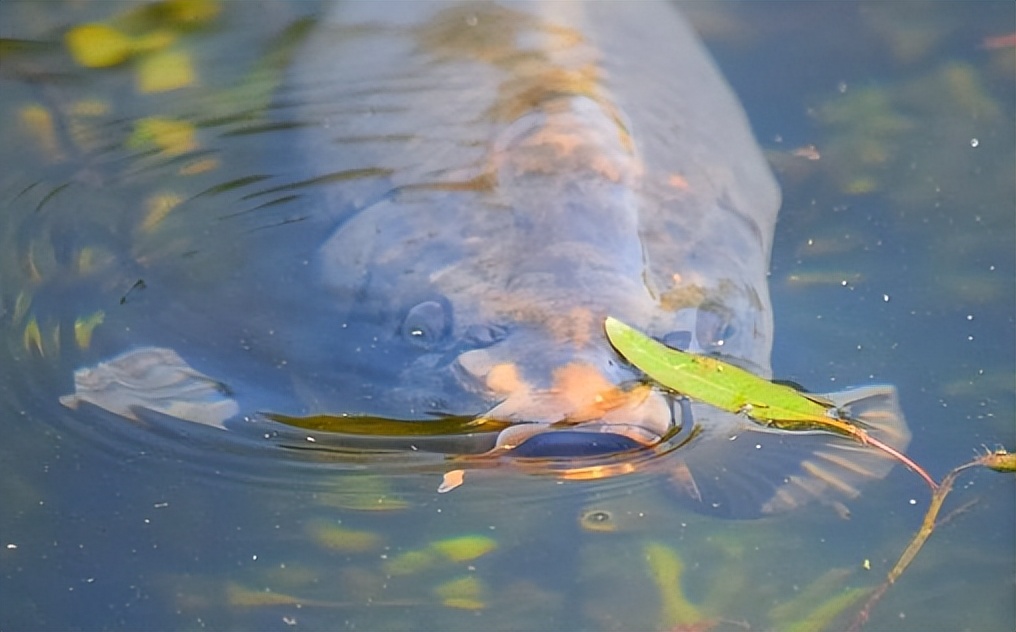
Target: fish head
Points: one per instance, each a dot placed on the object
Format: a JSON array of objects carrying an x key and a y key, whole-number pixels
[{"x": 475, "y": 309}]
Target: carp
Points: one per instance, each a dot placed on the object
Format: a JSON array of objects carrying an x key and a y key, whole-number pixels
[{"x": 490, "y": 182}]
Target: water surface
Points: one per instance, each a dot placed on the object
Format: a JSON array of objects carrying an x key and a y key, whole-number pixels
[{"x": 893, "y": 262}]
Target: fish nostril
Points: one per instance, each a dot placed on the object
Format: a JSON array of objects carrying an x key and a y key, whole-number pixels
[
  {"x": 476, "y": 363},
  {"x": 485, "y": 335},
  {"x": 680, "y": 340},
  {"x": 479, "y": 368}
]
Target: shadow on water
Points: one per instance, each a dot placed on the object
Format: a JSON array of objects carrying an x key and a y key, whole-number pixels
[{"x": 892, "y": 263}]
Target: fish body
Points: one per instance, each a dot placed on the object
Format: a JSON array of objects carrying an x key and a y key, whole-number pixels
[
  {"x": 549, "y": 164},
  {"x": 494, "y": 180}
]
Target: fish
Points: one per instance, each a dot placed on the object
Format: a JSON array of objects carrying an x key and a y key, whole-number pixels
[{"x": 491, "y": 181}]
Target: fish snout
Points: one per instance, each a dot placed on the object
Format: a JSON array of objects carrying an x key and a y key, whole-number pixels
[{"x": 563, "y": 406}]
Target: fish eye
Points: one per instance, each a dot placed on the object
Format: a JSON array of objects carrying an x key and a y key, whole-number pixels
[
  {"x": 485, "y": 335},
  {"x": 713, "y": 329},
  {"x": 680, "y": 340},
  {"x": 426, "y": 324}
]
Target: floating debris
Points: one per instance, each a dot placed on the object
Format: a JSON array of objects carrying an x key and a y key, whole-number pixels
[{"x": 451, "y": 480}]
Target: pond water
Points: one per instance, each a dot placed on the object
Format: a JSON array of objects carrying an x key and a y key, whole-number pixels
[{"x": 159, "y": 166}]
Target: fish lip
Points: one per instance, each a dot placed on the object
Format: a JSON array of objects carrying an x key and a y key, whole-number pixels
[
  {"x": 536, "y": 439},
  {"x": 575, "y": 443}
]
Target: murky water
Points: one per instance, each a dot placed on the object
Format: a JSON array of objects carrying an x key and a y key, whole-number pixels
[{"x": 893, "y": 262}]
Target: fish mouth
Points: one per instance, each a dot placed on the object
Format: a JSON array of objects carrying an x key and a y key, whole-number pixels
[
  {"x": 574, "y": 443},
  {"x": 646, "y": 419},
  {"x": 537, "y": 440},
  {"x": 583, "y": 409}
]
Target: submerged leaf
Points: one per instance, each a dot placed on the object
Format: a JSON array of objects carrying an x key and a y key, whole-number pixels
[
  {"x": 340, "y": 538},
  {"x": 825, "y": 613},
  {"x": 464, "y": 548},
  {"x": 802, "y": 606},
  {"x": 665, "y": 567},
  {"x": 241, "y": 596},
  {"x": 411, "y": 562},
  {"x": 464, "y": 593}
]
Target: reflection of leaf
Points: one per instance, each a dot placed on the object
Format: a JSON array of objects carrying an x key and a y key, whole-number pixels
[{"x": 367, "y": 425}]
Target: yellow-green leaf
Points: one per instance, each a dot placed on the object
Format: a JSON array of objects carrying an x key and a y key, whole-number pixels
[
  {"x": 464, "y": 593},
  {"x": 97, "y": 45},
  {"x": 464, "y": 547},
  {"x": 724, "y": 385}
]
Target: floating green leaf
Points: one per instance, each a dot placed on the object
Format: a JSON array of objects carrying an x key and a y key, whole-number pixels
[
  {"x": 726, "y": 386},
  {"x": 735, "y": 390}
]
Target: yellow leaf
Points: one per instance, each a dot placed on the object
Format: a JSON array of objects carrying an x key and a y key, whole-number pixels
[
  {"x": 154, "y": 41},
  {"x": 32, "y": 337},
  {"x": 157, "y": 207},
  {"x": 97, "y": 45},
  {"x": 165, "y": 71},
  {"x": 171, "y": 136},
  {"x": 191, "y": 12},
  {"x": 465, "y": 593},
  {"x": 83, "y": 328},
  {"x": 410, "y": 562},
  {"x": 38, "y": 122},
  {"x": 464, "y": 548},
  {"x": 340, "y": 538}
]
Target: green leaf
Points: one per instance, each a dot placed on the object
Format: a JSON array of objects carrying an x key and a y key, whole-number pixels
[{"x": 724, "y": 385}]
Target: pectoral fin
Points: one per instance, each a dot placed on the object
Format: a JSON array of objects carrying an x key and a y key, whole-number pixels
[
  {"x": 841, "y": 467},
  {"x": 746, "y": 470},
  {"x": 153, "y": 378}
]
